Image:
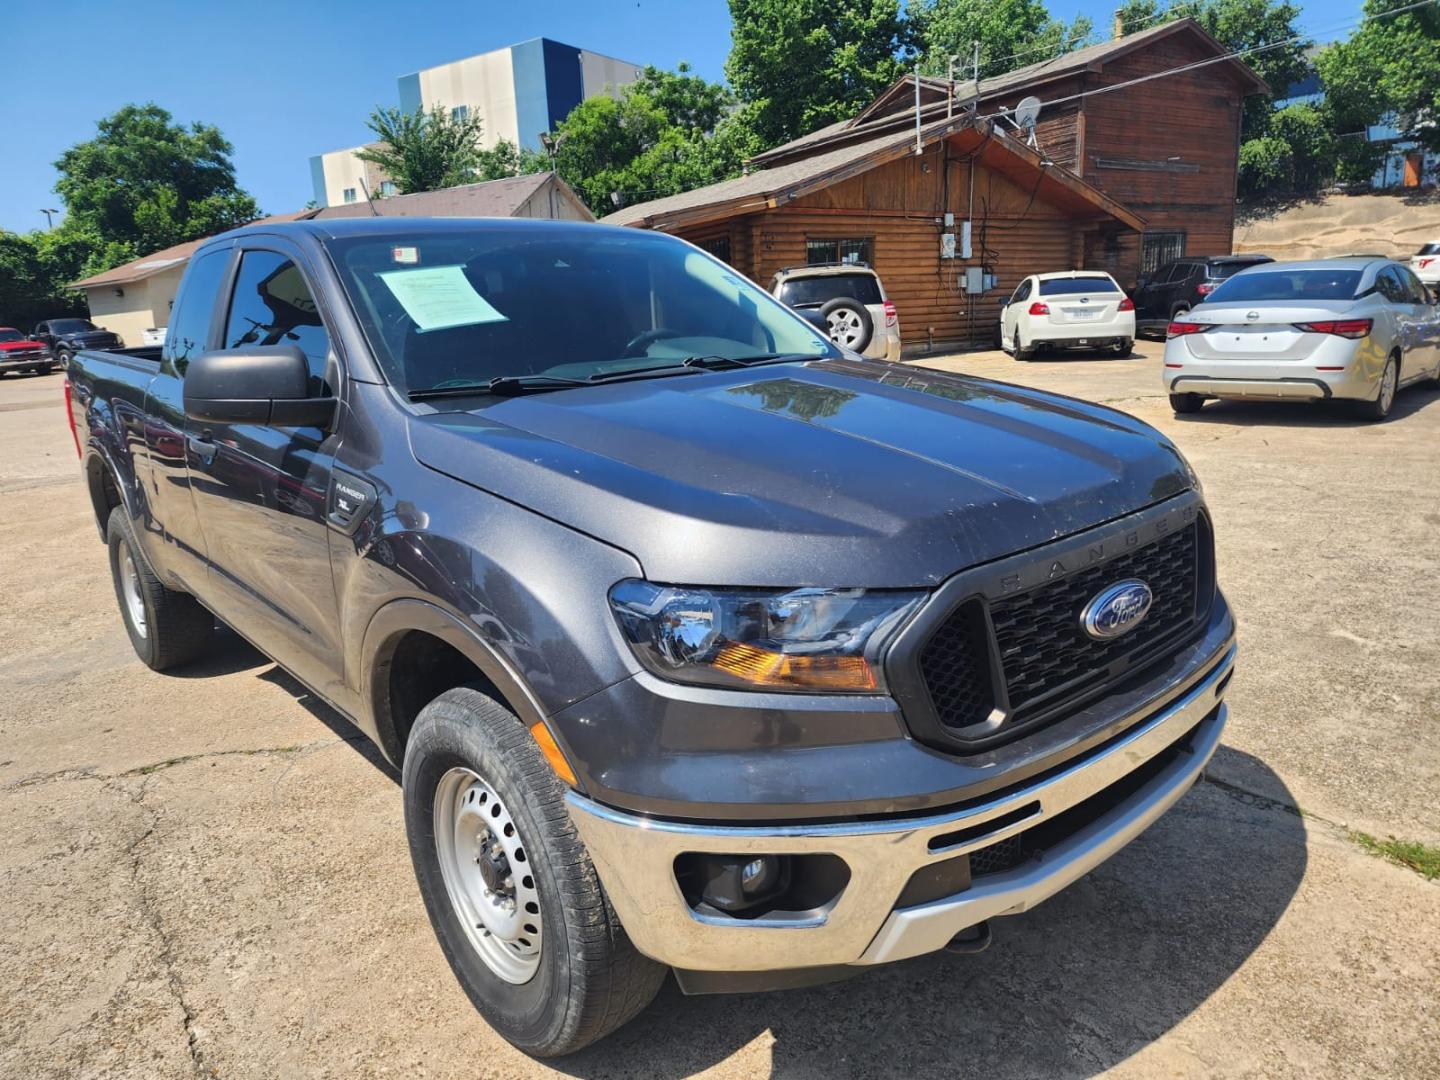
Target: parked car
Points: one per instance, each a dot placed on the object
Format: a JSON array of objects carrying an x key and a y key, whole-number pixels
[
  {"x": 21, "y": 353},
  {"x": 1179, "y": 285},
  {"x": 1426, "y": 263},
  {"x": 66, "y": 337},
  {"x": 699, "y": 643},
  {"x": 1073, "y": 309},
  {"x": 850, "y": 298},
  {"x": 1353, "y": 329}
]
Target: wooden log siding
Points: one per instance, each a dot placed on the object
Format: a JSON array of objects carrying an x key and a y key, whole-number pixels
[{"x": 901, "y": 204}]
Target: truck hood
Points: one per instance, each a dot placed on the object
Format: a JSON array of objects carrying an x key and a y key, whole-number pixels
[{"x": 848, "y": 473}]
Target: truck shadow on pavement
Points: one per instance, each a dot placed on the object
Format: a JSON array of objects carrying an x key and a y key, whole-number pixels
[
  {"x": 1069, "y": 989},
  {"x": 1074, "y": 987}
]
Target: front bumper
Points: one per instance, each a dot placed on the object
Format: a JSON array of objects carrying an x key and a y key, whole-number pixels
[
  {"x": 24, "y": 363},
  {"x": 635, "y": 856}
]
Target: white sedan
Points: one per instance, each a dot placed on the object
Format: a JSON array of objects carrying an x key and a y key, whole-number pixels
[
  {"x": 1355, "y": 329},
  {"x": 1073, "y": 309},
  {"x": 1426, "y": 263}
]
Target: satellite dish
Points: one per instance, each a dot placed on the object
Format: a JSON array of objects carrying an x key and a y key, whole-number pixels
[{"x": 1027, "y": 112}]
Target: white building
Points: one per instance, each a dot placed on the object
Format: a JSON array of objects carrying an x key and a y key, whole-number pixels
[{"x": 519, "y": 92}]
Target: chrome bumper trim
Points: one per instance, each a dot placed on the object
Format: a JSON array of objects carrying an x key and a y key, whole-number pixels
[{"x": 635, "y": 856}]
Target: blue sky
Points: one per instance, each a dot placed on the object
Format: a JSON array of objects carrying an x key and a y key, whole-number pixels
[{"x": 284, "y": 81}]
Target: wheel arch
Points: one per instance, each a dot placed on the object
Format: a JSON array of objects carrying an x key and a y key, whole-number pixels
[
  {"x": 103, "y": 485},
  {"x": 413, "y": 650}
]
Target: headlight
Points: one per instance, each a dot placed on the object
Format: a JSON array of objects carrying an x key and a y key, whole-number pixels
[{"x": 795, "y": 639}]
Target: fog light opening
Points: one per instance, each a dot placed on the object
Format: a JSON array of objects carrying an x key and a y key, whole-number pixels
[{"x": 754, "y": 886}]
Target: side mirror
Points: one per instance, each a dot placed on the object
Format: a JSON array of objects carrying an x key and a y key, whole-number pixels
[{"x": 261, "y": 384}]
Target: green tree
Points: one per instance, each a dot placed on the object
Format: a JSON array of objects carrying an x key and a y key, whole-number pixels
[
  {"x": 1011, "y": 33},
  {"x": 666, "y": 133},
  {"x": 35, "y": 267},
  {"x": 425, "y": 151},
  {"x": 145, "y": 183},
  {"x": 1296, "y": 156},
  {"x": 1388, "y": 69},
  {"x": 800, "y": 64}
]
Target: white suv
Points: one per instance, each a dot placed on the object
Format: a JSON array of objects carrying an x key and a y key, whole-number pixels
[
  {"x": 850, "y": 300},
  {"x": 1082, "y": 309}
]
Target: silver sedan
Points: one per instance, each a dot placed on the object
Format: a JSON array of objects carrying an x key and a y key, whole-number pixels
[{"x": 1354, "y": 329}]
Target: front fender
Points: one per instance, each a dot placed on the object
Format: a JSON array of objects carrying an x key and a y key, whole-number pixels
[{"x": 389, "y": 626}]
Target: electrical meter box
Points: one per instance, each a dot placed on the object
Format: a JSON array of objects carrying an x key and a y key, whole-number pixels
[{"x": 947, "y": 245}]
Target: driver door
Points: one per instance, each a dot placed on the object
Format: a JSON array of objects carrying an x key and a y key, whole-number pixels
[{"x": 260, "y": 491}]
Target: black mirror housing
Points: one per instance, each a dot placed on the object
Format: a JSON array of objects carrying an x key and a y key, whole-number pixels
[
  {"x": 260, "y": 384},
  {"x": 814, "y": 318}
]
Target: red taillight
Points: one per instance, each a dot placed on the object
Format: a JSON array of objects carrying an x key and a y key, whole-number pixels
[
  {"x": 1425, "y": 262},
  {"x": 1206, "y": 289},
  {"x": 890, "y": 315},
  {"x": 1126, "y": 305},
  {"x": 70, "y": 417},
  {"x": 1180, "y": 329},
  {"x": 1346, "y": 328},
  {"x": 1038, "y": 308}
]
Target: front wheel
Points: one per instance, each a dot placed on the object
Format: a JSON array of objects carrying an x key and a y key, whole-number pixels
[
  {"x": 63, "y": 356},
  {"x": 510, "y": 890}
]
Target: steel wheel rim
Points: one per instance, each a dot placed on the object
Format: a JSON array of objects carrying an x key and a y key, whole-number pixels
[
  {"x": 1387, "y": 388},
  {"x": 500, "y": 916},
  {"x": 130, "y": 591},
  {"x": 844, "y": 327}
]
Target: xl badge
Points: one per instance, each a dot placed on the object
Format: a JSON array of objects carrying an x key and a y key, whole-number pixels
[{"x": 1117, "y": 610}]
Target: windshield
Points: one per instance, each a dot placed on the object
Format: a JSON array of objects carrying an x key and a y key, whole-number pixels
[
  {"x": 11, "y": 335},
  {"x": 1288, "y": 285},
  {"x": 1075, "y": 286},
  {"x": 70, "y": 326},
  {"x": 461, "y": 306}
]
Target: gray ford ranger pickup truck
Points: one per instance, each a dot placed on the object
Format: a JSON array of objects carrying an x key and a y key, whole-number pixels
[{"x": 700, "y": 644}]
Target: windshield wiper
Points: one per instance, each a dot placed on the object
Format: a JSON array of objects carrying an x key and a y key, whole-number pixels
[
  {"x": 509, "y": 385},
  {"x": 720, "y": 362},
  {"x": 503, "y": 384}
]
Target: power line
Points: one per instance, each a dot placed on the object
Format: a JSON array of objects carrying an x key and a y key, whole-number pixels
[{"x": 1236, "y": 54}]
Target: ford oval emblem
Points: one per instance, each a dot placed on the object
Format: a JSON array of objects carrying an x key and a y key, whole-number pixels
[
  {"x": 1252, "y": 315},
  {"x": 1117, "y": 610}
]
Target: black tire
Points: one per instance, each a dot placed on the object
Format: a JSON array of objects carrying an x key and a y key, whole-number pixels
[
  {"x": 1186, "y": 403},
  {"x": 999, "y": 339},
  {"x": 1124, "y": 348},
  {"x": 860, "y": 328},
  {"x": 64, "y": 357},
  {"x": 1380, "y": 408},
  {"x": 1180, "y": 309},
  {"x": 590, "y": 979},
  {"x": 177, "y": 627}
]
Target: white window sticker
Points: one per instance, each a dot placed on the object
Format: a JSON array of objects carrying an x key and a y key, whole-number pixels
[
  {"x": 405, "y": 256},
  {"x": 439, "y": 297}
]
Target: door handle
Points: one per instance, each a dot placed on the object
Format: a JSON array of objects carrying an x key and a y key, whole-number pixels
[{"x": 202, "y": 446}]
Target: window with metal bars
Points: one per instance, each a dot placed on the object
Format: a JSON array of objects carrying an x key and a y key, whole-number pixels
[
  {"x": 1159, "y": 248},
  {"x": 856, "y": 249}
]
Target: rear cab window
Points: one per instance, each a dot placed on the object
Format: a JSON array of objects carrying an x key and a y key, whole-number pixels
[
  {"x": 1078, "y": 286},
  {"x": 821, "y": 289}
]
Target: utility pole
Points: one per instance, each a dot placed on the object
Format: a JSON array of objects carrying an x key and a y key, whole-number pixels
[
  {"x": 975, "y": 74},
  {"x": 49, "y": 219}
]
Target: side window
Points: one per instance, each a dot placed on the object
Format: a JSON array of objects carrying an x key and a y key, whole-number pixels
[
  {"x": 1022, "y": 293},
  {"x": 1413, "y": 289},
  {"x": 272, "y": 305},
  {"x": 188, "y": 333},
  {"x": 1387, "y": 284}
]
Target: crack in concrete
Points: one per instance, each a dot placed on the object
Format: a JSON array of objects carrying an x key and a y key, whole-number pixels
[
  {"x": 90, "y": 773},
  {"x": 151, "y": 913}
]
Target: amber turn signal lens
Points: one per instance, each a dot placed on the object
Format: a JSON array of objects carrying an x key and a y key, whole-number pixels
[
  {"x": 553, "y": 754},
  {"x": 766, "y": 668}
]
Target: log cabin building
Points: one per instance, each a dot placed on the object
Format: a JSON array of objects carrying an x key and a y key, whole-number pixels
[{"x": 1120, "y": 180}]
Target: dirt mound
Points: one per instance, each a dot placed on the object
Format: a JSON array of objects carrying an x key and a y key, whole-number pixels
[{"x": 1394, "y": 225}]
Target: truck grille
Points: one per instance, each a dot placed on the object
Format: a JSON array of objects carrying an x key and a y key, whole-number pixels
[{"x": 1044, "y": 659}]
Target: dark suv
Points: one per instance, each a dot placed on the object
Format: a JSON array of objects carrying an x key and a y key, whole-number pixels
[{"x": 1181, "y": 284}]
